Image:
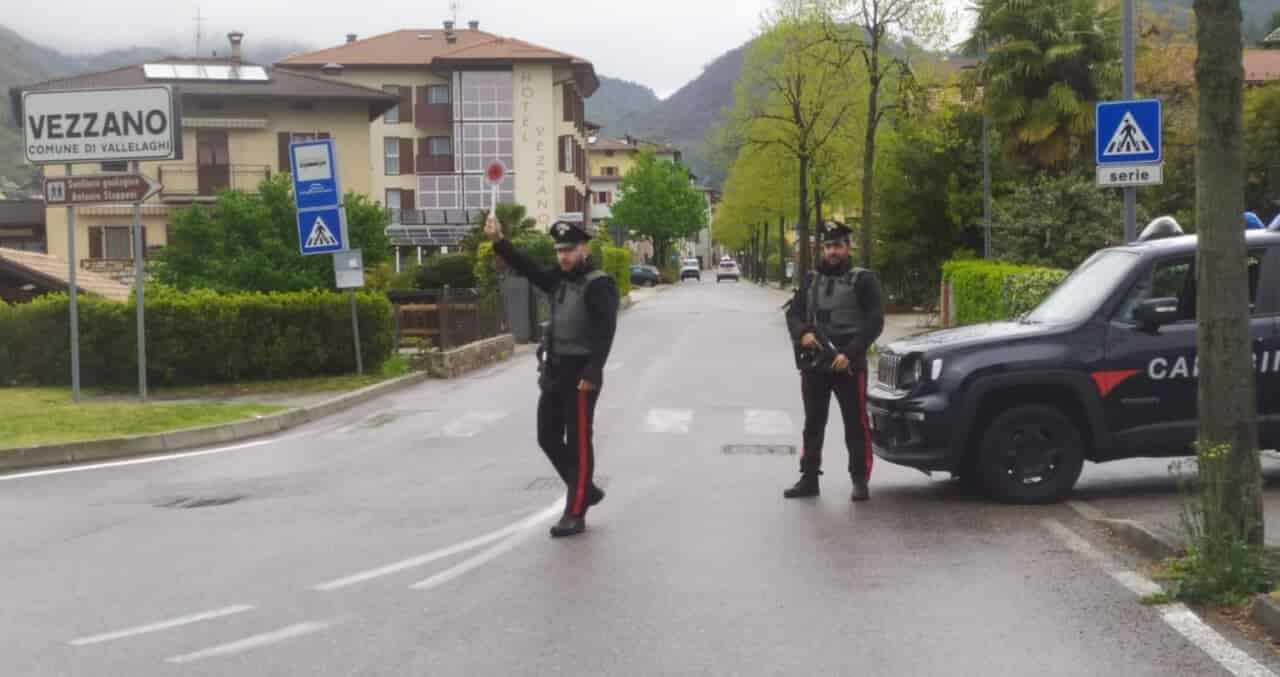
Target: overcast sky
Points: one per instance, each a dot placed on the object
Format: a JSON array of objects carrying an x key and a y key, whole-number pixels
[{"x": 659, "y": 43}]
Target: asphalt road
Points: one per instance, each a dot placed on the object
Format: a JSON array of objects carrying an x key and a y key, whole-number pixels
[{"x": 408, "y": 537}]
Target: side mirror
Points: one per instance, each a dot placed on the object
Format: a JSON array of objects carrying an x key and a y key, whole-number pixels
[{"x": 1155, "y": 313}]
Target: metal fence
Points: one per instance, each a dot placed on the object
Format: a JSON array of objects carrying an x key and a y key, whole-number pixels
[{"x": 448, "y": 318}]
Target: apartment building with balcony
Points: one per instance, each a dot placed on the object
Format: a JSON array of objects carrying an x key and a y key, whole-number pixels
[
  {"x": 466, "y": 97},
  {"x": 609, "y": 159},
  {"x": 238, "y": 120}
]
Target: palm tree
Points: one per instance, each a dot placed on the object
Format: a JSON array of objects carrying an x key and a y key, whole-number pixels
[{"x": 1047, "y": 62}]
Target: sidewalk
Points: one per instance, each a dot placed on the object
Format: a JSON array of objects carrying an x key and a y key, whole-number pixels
[{"x": 1156, "y": 501}]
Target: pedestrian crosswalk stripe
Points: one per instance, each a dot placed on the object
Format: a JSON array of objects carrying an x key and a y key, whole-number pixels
[
  {"x": 767, "y": 422},
  {"x": 668, "y": 420},
  {"x": 320, "y": 235},
  {"x": 1128, "y": 139}
]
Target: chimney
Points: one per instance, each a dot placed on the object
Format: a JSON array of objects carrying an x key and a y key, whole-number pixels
[
  {"x": 449, "y": 35},
  {"x": 351, "y": 37},
  {"x": 235, "y": 38},
  {"x": 473, "y": 25}
]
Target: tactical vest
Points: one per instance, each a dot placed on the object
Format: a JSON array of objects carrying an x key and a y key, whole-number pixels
[
  {"x": 569, "y": 322},
  {"x": 833, "y": 303}
]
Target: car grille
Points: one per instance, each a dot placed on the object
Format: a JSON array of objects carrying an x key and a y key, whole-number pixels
[{"x": 887, "y": 370}]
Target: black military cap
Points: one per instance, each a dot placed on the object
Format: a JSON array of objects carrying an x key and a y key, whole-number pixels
[
  {"x": 833, "y": 232},
  {"x": 568, "y": 234}
]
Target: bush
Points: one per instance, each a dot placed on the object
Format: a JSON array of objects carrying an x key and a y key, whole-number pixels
[
  {"x": 617, "y": 263},
  {"x": 986, "y": 291},
  {"x": 1057, "y": 221},
  {"x": 447, "y": 270},
  {"x": 535, "y": 246},
  {"x": 195, "y": 337}
]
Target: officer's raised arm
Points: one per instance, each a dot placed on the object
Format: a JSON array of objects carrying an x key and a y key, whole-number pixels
[{"x": 546, "y": 280}]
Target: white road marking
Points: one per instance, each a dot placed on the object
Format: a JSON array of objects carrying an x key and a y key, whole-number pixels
[
  {"x": 470, "y": 424},
  {"x": 255, "y": 641},
  {"x": 162, "y": 625},
  {"x": 442, "y": 553},
  {"x": 668, "y": 420},
  {"x": 767, "y": 422},
  {"x": 1177, "y": 616},
  {"x": 470, "y": 564},
  {"x": 137, "y": 461}
]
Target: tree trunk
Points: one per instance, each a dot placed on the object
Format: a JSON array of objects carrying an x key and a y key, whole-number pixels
[
  {"x": 806, "y": 260},
  {"x": 782, "y": 249},
  {"x": 764, "y": 247},
  {"x": 817, "y": 206},
  {"x": 869, "y": 157},
  {"x": 1228, "y": 403}
]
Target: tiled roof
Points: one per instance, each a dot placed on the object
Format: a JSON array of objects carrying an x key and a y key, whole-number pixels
[
  {"x": 425, "y": 47},
  {"x": 1261, "y": 65},
  {"x": 283, "y": 83},
  {"x": 609, "y": 143},
  {"x": 51, "y": 271}
]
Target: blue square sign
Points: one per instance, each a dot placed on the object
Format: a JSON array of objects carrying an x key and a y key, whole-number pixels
[
  {"x": 320, "y": 231},
  {"x": 315, "y": 174},
  {"x": 1128, "y": 132}
]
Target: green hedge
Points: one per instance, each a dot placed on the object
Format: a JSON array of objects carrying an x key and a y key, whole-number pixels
[
  {"x": 987, "y": 291},
  {"x": 194, "y": 337},
  {"x": 447, "y": 270}
]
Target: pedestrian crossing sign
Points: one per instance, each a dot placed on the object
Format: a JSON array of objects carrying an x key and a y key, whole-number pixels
[
  {"x": 1128, "y": 132},
  {"x": 321, "y": 231}
]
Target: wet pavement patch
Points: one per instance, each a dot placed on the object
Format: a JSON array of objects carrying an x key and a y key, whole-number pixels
[
  {"x": 760, "y": 449},
  {"x": 191, "y": 502}
]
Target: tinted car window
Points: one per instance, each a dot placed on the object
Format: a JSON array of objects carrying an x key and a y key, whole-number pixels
[
  {"x": 1080, "y": 295},
  {"x": 1174, "y": 278}
]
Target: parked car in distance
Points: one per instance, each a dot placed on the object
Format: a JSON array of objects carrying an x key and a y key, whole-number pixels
[
  {"x": 645, "y": 276},
  {"x": 690, "y": 268},
  {"x": 728, "y": 270}
]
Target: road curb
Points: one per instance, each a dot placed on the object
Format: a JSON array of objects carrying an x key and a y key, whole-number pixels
[
  {"x": 1266, "y": 612},
  {"x": 1136, "y": 535},
  {"x": 42, "y": 456}
]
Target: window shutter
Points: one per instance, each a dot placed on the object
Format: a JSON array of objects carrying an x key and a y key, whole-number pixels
[
  {"x": 567, "y": 102},
  {"x": 144, "y": 244},
  {"x": 560, "y": 154},
  {"x": 406, "y": 199},
  {"x": 95, "y": 242},
  {"x": 406, "y": 105},
  {"x": 406, "y": 156},
  {"x": 568, "y": 199},
  {"x": 283, "y": 146}
]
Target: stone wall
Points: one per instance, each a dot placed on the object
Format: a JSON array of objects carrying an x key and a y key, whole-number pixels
[
  {"x": 120, "y": 270},
  {"x": 471, "y": 357}
]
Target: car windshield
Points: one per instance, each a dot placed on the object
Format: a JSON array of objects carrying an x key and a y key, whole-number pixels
[{"x": 1080, "y": 295}]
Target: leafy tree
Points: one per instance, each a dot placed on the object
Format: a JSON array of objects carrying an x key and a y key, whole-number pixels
[
  {"x": 1262, "y": 148},
  {"x": 874, "y": 23},
  {"x": 931, "y": 200},
  {"x": 1274, "y": 23},
  {"x": 1227, "y": 400},
  {"x": 447, "y": 270},
  {"x": 249, "y": 242},
  {"x": 1165, "y": 65},
  {"x": 796, "y": 93},
  {"x": 514, "y": 219},
  {"x": 1056, "y": 221},
  {"x": 1047, "y": 62},
  {"x": 659, "y": 202}
]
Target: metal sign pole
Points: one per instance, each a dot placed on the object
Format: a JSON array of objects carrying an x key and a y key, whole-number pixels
[
  {"x": 1130, "y": 193},
  {"x": 74, "y": 319},
  {"x": 139, "y": 287},
  {"x": 355, "y": 332}
]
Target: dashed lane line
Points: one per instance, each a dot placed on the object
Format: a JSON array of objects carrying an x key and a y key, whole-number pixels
[
  {"x": 162, "y": 625},
  {"x": 668, "y": 421},
  {"x": 255, "y": 641},
  {"x": 1176, "y": 616}
]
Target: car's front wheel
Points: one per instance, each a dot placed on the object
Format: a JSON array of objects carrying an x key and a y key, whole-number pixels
[{"x": 1030, "y": 454}]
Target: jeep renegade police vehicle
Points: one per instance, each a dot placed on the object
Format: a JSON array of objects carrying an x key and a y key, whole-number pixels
[{"x": 1104, "y": 369}]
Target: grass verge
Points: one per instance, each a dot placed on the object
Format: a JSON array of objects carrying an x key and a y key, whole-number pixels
[{"x": 48, "y": 416}]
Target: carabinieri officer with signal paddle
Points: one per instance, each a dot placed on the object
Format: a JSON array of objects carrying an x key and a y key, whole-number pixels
[{"x": 584, "y": 317}]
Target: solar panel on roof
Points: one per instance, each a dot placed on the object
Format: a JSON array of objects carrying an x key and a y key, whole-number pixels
[{"x": 188, "y": 71}]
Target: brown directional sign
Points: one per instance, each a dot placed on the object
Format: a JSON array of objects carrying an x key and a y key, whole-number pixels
[{"x": 99, "y": 189}]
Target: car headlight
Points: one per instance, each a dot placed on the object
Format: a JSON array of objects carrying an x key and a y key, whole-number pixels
[{"x": 917, "y": 371}]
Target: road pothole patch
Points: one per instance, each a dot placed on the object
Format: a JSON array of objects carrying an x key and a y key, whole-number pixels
[{"x": 193, "y": 502}]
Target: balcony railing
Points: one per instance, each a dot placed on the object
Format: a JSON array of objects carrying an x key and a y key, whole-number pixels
[
  {"x": 190, "y": 181},
  {"x": 432, "y": 115},
  {"x": 435, "y": 164}
]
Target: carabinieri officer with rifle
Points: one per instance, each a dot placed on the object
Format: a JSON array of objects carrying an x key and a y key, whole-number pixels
[
  {"x": 584, "y": 317},
  {"x": 834, "y": 318}
]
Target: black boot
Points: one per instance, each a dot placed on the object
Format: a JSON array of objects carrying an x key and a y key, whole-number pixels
[
  {"x": 569, "y": 525},
  {"x": 860, "y": 491},
  {"x": 807, "y": 487}
]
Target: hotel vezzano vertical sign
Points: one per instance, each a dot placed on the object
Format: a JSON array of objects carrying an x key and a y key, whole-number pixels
[
  {"x": 101, "y": 125},
  {"x": 534, "y": 159}
]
